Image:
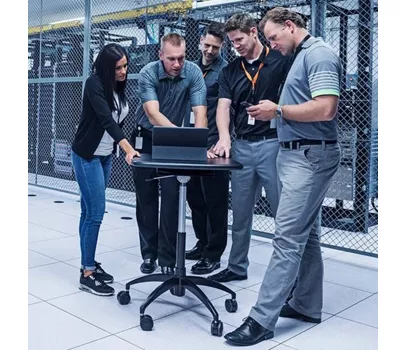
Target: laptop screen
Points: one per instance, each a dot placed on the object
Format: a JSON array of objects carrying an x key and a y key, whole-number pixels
[{"x": 186, "y": 143}]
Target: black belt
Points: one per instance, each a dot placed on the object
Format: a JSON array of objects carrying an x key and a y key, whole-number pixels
[
  {"x": 296, "y": 144},
  {"x": 255, "y": 138}
]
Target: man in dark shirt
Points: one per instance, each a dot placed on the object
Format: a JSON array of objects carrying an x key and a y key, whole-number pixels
[
  {"x": 167, "y": 88},
  {"x": 208, "y": 195},
  {"x": 253, "y": 77}
]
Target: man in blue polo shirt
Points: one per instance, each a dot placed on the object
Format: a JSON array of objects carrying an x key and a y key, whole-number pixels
[
  {"x": 167, "y": 88},
  {"x": 308, "y": 159}
]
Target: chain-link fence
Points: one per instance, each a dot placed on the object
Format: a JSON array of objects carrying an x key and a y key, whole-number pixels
[{"x": 64, "y": 38}]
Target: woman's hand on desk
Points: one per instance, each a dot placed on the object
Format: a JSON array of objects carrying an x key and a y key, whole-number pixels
[
  {"x": 130, "y": 152},
  {"x": 130, "y": 155}
]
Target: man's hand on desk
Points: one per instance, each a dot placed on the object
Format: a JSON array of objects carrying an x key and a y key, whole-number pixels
[
  {"x": 223, "y": 147},
  {"x": 211, "y": 154}
]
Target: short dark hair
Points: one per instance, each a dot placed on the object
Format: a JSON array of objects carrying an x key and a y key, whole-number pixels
[
  {"x": 174, "y": 38},
  {"x": 105, "y": 68},
  {"x": 240, "y": 21},
  {"x": 215, "y": 29},
  {"x": 280, "y": 15}
]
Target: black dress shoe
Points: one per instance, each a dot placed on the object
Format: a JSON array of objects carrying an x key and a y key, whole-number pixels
[
  {"x": 205, "y": 265},
  {"x": 226, "y": 276},
  {"x": 289, "y": 312},
  {"x": 148, "y": 266},
  {"x": 167, "y": 270},
  {"x": 194, "y": 254},
  {"x": 249, "y": 333}
]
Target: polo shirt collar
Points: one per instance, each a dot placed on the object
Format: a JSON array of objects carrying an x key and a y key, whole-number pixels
[
  {"x": 262, "y": 56},
  {"x": 162, "y": 74},
  {"x": 310, "y": 42},
  {"x": 215, "y": 65}
]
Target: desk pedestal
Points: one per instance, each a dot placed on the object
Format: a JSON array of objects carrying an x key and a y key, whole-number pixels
[{"x": 179, "y": 282}]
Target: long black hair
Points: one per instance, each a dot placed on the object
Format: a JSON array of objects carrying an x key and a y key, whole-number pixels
[{"x": 105, "y": 68}]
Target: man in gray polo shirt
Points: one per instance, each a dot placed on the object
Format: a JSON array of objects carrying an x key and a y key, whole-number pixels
[
  {"x": 308, "y": 159},
  {"x": 166, "y": 88}
]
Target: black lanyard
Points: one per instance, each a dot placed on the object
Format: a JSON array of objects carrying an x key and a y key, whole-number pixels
[{"x": 292, "y": 59}]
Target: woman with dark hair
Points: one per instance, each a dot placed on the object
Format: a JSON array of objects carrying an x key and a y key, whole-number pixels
[{"x": 104, "y": 108}]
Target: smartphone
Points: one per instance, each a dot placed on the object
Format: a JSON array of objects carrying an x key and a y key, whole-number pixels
[{"x": 246, "y": 104}]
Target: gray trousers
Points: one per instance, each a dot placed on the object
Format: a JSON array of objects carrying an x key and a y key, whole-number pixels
[
  {"x": 305, "y": 176},
  {"x": 259, "y": 160}
]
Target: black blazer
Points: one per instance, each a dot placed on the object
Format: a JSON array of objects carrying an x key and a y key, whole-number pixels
[{"x": 96, "y": 118}]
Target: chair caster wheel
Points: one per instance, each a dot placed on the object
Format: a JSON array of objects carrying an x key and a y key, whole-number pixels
[
  {"x": 123, "y": 297},
  {"x": 146, "y": 322},
  {"x": 217, "y": 328},
  {"x": 231, "y": 305}
]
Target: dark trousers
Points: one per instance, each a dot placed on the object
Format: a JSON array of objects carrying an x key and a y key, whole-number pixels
[
  {"x": 157, "y": 241},
  {"x": 208, "y": 199}
]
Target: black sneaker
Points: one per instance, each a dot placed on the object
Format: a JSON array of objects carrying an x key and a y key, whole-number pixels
[
  {"x": 93, "y": 284},
  {"x": 103, "y": 275}
]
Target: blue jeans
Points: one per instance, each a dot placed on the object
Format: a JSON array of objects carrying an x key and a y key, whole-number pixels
[{"x": 92, "y": 177}]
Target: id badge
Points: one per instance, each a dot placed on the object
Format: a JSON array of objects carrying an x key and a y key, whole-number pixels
[
  {"x": 251, "y": 120},
  {"x": 138, "y": 142},
  {"x": 192, "y": 118}
]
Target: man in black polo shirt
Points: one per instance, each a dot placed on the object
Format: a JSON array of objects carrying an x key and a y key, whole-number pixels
[
  {"x": 208, "y": 195},
  {"x": 253, "y": 77}
]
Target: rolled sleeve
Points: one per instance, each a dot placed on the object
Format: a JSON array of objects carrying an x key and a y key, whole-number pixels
[
  {"x": 324, "y": 73},
  {"x": 198, "y": 88},
  {"x": 147, "y": 86}
]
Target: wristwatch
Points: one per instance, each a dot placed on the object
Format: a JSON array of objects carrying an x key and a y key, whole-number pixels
[{"x": 279, "y": 113}]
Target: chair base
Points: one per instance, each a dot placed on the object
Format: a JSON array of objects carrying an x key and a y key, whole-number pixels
[{"x": 177, "y": 284}]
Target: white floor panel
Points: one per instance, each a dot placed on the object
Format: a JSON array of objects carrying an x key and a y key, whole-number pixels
[
  {"x": 184, "y": 331},
  {"x": 337, "y": 334},
  {"x": 365, "y": 312},
  {"x": 110, "y": 343},
  {"x": 63, "y": 249},
  {"x": 52, "y": 281},
  {"x": 61, "y": 317},
  {"x": 109, "y": 315},
  {"x": 53, "y": 329}
]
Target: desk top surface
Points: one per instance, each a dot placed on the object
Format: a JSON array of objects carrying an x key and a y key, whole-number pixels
[{"x": 220, "y": 163}]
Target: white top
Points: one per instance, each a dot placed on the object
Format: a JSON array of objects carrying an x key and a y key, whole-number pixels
[{"x": 105, "y": 146}]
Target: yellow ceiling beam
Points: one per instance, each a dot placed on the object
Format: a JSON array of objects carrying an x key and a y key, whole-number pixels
[{"x": 179, "y": 6}]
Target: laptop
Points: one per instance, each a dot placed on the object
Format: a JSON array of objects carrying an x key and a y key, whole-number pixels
[{"x": 185, "y": 143}]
